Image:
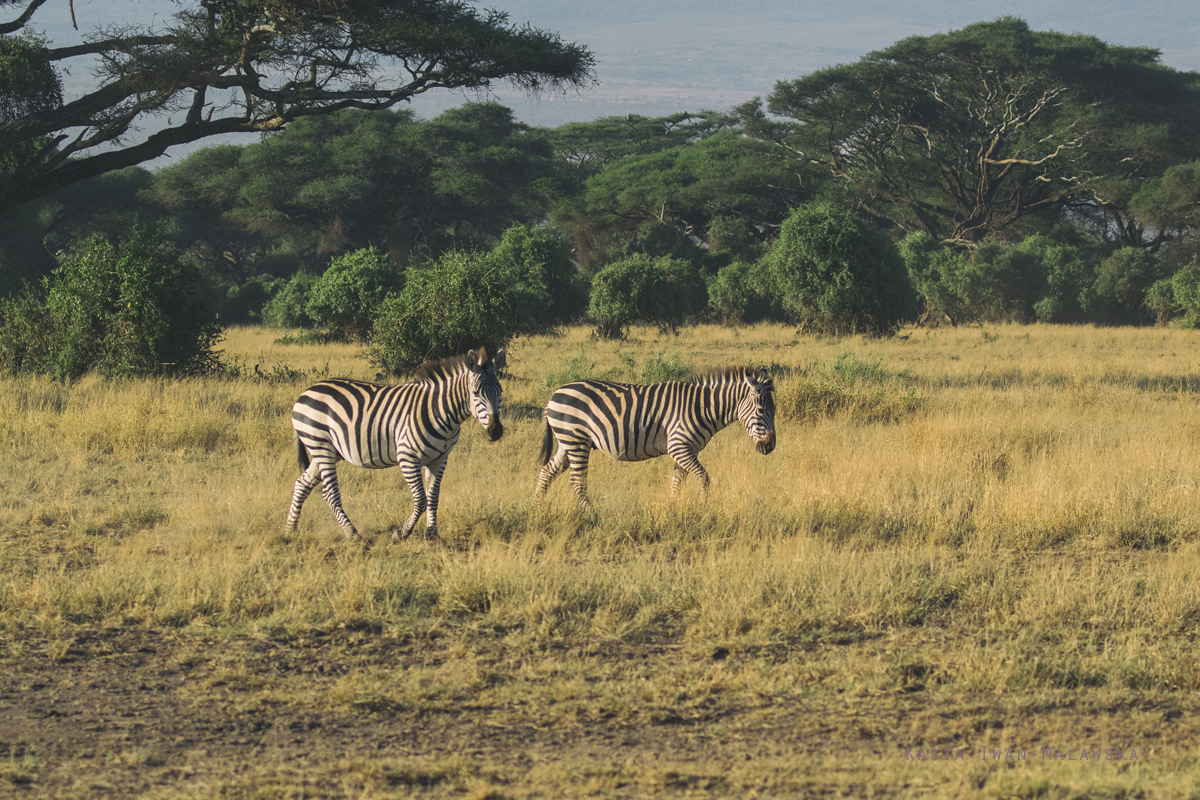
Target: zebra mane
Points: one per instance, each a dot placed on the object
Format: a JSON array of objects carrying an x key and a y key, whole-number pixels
[
  {"x": 436, "y": 371},
  {"x": 734, "y": 374}
]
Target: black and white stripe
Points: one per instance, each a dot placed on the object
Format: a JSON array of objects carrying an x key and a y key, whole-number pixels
[
  {"x": 636, "y": 422},
  {"x": 410, "y": 425}
]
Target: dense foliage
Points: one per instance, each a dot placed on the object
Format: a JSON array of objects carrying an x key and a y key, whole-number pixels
[
  {"x": 456, "y": 303},
  {"x": 465, "y": 299},
  {"x": 663, "y": 291},
  {"x": 833, "y": 273},
  {"x": 539, "y": 262},
  {"x": 722, "y": 189},
  {"x": 132, "y": 309},
  {"x": 288, "y": 305},
  {"x": 235, "y": 66},
  {"x": 967, "y": 134},
  {"x": 345, "y": 298},
  {"x": 333, "y": 184}
]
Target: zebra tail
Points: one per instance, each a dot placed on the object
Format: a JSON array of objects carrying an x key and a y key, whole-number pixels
[
  {"x": 548, "y": 442},
  {"x": 301, "y": 454}
]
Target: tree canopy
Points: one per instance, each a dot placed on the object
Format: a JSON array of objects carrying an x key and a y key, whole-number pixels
[
  {"x": 967, "y": 133},
  {"x": 691, "y": 185},
  {"x": 586, "y": 148},
  {"x": 228, "y": 66},
  {"x": 348, "y": 180}
]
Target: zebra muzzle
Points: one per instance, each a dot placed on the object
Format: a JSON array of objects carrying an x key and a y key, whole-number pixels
[
  {"x": 494, "y": 429},
  {"x": 767, "y": 444}
]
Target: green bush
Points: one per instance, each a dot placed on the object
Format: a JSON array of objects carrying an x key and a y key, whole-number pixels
[
  {"x": 1009, "y": 283},
  {"x": 245, "y": 303},
  {"x": 134, "y": 309},
  {"x": 27, "y": 333},
  {"x": 945, "y": 280},
  {"x": 1070, "y": 274},
  {"x": 662, "y": 291},
  {"x": 527, "y": 283},
  {"x": 737, "y": 294},
  {"x": 832, "y": 273},
  {"x": 538, "y": 262},
  {"x": 735, "y": 235},
  {"x": 457, "y": 303},
  {"x": 1185, "y": 287},
  {"x": 288, "y": 306},
  {"x": 346, "y": 298},
  {"x": 1160, "y": 300},
  {"x": 1123, "y": 281}
]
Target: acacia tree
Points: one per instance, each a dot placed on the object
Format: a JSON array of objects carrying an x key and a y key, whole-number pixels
[
  {"x": 692, "y": 186},
  {"x": 585, "y": 148},
  {"x": 349, "y": 180},
  {"x": 229, "y": 66},
  {"x": 1171, "y": 203},
  {"x": 481, "y": 171},
  {"x": 325, "y": 185},
  {"x": 965, "y": 134}
]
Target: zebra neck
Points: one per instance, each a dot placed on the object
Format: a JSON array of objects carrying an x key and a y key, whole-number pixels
[
  {"x": 722, "y": 404},
  {"x": 453, "y": 404}
]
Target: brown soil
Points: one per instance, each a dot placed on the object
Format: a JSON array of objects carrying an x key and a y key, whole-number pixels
[{"x": 123, "y": 713}]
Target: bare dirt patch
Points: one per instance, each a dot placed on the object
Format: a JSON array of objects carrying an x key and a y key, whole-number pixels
[{"x": 131, "y": 712}]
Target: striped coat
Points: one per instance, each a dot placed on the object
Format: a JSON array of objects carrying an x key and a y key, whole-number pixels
[
  {"x": 636, "y": 422},
  {"x": 410, "y": 425}
]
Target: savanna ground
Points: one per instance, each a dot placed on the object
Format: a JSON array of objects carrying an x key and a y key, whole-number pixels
[{"x": 970, "y": 568}]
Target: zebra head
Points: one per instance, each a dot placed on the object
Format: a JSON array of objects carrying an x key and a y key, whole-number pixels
[
  {"x": 484, "y": 387},
  {"x": 756, "y": 409}
]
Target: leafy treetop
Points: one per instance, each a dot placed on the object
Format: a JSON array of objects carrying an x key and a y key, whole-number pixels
[
  {"x": 229, "y": 66},
  {"x": 964, "y": 134}
]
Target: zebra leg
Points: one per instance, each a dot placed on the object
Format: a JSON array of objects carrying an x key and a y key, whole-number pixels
[
  {"x": 677, "y": 478},
  {"x": 550, "y": 471},
  {"x": 579, "y": 467},
  {"x": 333, "y": 496},
  {"x": 686, "y": 464},
  {"x": 307, "y": 481},
  {"x": 434, "y": 471},
  {"x": 416, "y": 485}
]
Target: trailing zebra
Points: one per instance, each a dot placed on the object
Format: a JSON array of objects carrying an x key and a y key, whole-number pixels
[
  {"x": 412, "y": 425},
  {"x": 637, "y": 422}
]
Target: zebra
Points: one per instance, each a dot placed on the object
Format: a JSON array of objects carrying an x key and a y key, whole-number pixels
[
  {"x": 413, "y": 425},
  {"x": 637, "y": 422}
]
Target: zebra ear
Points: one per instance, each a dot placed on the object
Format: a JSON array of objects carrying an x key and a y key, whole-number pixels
[
  {"x": 499, "y": 360},
  {"x": 760, "y": 383}
]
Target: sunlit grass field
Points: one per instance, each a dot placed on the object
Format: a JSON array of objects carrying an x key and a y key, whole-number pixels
[{"x": 1002, "y": 523}]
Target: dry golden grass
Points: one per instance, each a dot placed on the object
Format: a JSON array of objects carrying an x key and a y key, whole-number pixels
[{"x": 1002, "y": 520}]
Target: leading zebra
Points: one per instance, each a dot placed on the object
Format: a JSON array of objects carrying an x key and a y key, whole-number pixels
[
  {"x": 413, "y": 425},
  {"x": 634, "y": 423}
]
